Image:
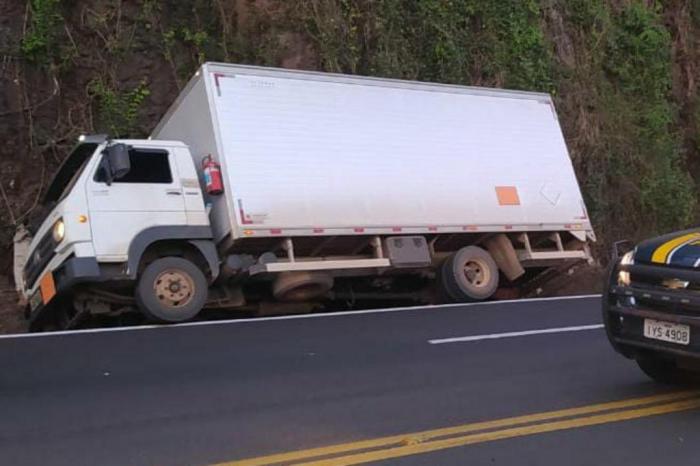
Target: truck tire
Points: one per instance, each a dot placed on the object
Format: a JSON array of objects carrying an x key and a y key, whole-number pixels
[
  {"x": 171, "y": 289},
  {"x": 665, "y": 371},
  {"x": 301, "y": 286},
  {"x": 468, "y": 275}
]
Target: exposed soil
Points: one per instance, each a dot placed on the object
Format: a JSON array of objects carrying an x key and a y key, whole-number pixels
[
  {"x": 11, "y": 318},
  {"x": 585, "y": 279}
]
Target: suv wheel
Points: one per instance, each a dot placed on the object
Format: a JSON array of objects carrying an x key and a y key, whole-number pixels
[{"x": 664, "y": 371}]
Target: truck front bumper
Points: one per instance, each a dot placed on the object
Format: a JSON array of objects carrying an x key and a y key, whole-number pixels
[
  {"x": 626, "y": 307},
  {"x": 71, "y": 272}
]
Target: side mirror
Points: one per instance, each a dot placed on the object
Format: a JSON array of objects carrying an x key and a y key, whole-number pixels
[
  {"x": 620, "y": 248},
  {"x": 118, "y": 160}
]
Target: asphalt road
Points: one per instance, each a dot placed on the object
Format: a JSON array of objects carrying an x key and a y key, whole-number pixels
[{"x": 220, "y": 392}]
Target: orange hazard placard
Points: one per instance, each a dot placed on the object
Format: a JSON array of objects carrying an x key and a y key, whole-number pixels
[
  {"x": 48, "y": 287},
  {"x": 507, "y": 195}
]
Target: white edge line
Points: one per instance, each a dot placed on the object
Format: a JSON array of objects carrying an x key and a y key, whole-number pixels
[
  {"x": 494, "y": 336},
  {"x": 292, "y": 317}
]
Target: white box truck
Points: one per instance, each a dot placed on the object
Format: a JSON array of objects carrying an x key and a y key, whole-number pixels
[{"x": 263, "y": 186}]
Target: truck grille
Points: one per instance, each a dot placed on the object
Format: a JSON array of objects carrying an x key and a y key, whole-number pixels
[{"x": 39, "y": 258}]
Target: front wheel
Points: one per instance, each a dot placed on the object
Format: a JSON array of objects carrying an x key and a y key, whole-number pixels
[
  {"x": 171, "y": 289},
  {"x": 664, "y": 371}
]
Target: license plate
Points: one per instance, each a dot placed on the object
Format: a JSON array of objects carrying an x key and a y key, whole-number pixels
[{"x": 667, "y": 331}]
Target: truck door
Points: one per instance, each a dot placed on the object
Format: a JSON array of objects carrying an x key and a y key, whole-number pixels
[{"x": 149, "y": 195}]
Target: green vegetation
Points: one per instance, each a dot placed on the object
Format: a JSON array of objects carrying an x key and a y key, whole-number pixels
[
  {"x": 628, "y": 148},
  {"x": 458, "y": 41},
  {"x": 118, "y": 111},
  {"x": 40, "y": 43},
  {"x": 639, "y": 63}
]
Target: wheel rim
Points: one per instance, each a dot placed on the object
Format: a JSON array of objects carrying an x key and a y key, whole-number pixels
[
  {"x": 174, "y": 288},
  {"x": 477, "y": 273}
]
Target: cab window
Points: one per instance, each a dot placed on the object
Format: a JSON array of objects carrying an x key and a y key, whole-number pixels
[{"x": 147, "y": 166}]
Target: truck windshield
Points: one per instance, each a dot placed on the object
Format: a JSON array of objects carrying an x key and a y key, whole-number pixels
[{"x": 69, "y": 172}]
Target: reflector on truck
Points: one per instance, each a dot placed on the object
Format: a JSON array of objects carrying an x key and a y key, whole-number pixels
[
  {"x": 48, "y": 287},
  {"x": 507, "y": 195}
]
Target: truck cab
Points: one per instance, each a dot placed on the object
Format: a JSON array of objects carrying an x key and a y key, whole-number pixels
[{"x": 108, "y": 203}]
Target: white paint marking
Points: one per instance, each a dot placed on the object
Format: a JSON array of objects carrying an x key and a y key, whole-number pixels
[
  {"x": 494, "y": 336},
  {"x": 428, "y": 308}
]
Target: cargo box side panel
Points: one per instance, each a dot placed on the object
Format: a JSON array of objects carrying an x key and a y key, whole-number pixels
[
  {"x": 315, "y": 154},
  {"x": 190, "y": 121}
]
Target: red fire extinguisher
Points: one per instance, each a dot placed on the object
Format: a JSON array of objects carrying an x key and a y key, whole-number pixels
[{"x": 212, "y": 176}]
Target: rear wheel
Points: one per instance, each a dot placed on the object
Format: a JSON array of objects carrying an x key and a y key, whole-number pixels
[
  {"x": 301, "y": 286},
  {"x": 171, "y": 289},
  {"x": 470, "y": 274},
  {"x": 664, "y": 371}
]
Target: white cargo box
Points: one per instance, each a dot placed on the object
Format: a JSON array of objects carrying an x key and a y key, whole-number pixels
[{"x": 306, "y": 153}]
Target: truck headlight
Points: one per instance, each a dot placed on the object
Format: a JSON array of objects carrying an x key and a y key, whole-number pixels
[
  {"x": 623, "y": 277},
  {"x": 59, "y": 230}
]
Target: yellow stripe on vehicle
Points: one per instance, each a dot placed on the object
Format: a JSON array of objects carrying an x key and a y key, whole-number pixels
[
  {"x": 400, "y": 443},
  {"x": 660, "y": 255}
]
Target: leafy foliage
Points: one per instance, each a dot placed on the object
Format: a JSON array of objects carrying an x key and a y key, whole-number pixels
[
  {"x": 638, "y": 60},
  {"x": 456, "y": 41},
  {"x": 39, "y": 44},
  {"x": 118, "y": 111}
]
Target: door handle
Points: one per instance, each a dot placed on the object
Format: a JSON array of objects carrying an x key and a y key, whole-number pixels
[{"x": 173, "y": 192}]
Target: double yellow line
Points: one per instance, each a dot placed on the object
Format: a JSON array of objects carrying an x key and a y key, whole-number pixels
[{"x": 396, "y": 446}]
